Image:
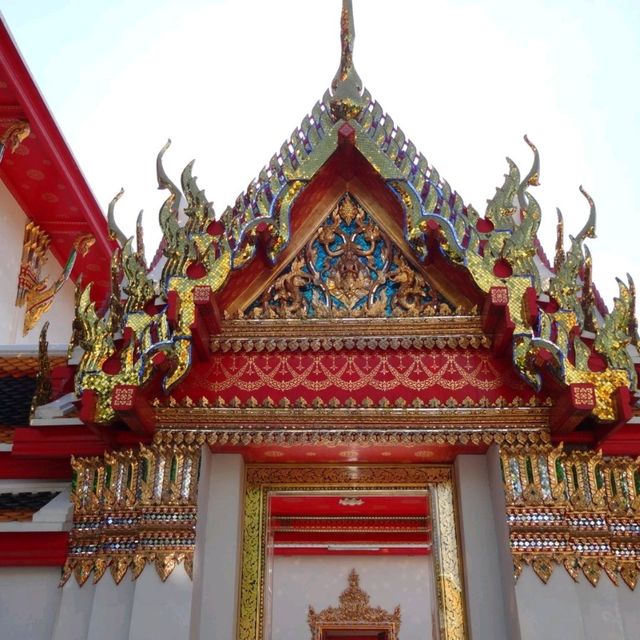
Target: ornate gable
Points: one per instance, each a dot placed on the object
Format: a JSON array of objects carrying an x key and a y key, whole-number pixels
[
  {"x": 545, "y": 318},
  {"x": 336, "y": 339},
  {"x": 349, "y": 269}
]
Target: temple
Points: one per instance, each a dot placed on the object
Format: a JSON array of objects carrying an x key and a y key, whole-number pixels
[{"x": 349, "y": 406}]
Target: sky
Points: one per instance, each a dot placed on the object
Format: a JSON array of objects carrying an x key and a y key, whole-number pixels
[{"x": 229, "y": 80}]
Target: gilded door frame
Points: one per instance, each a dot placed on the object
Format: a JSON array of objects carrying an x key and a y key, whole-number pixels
[{"x": 261, "y": 480}]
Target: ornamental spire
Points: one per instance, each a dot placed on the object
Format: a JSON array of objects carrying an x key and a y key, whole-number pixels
[{"x": 346, "y": 88}]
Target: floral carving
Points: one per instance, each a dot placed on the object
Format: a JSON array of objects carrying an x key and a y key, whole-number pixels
[
  {"x": 349, "y": 268},
  {"x": 354, "y": 612}
]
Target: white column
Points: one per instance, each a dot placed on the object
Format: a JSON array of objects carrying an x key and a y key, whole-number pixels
[
  {"x": 218, "y": 547},
  {"x": 75, "y": 610},
  {"x": 505, "y": 560},
  {"x": 111, "y": 612},
  {"x": 483, "y": 585},
  {"x": 160, "y": 610}
]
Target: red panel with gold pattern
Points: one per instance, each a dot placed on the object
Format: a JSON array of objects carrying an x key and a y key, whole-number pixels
[{"x": 473, "y": 378}]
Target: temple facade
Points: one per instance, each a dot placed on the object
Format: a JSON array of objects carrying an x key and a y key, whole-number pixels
[{"x": 349, "y": 406}]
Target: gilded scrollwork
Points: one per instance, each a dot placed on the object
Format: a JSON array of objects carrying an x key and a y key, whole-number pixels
[
  {"x": 155, "y": 317},
  {"x": 42, "y": 394},
  {"x": 35, "y": 293},
  {"x": 14, "y": 134}
]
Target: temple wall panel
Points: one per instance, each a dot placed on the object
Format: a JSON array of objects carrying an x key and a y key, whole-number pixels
[
  {"x": 300, "y": 581},
  {"x": 161, "y": 610},
  {"x": 111, "y": 612},
  {"x": 74, "y": 615},
  {"x": 29, "y": 601},
  {"x": 505, "y": 559},
  {"x": 12, "y": 223},
  {"x": 575, "y": 610},
  {"x": 218, "y": 543},
  {"x": 481, "y": 551}
]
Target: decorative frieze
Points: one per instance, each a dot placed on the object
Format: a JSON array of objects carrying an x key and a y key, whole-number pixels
[
  {"x": 133, "y": 508},
  {"x": 575, "y": 509}
]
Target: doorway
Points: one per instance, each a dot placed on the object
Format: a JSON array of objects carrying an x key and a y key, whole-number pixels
[{"x": 260, "y": 582}]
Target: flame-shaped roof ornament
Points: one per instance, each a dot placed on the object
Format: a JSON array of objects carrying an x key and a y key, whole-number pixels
[{"x": 346, "y": 88}]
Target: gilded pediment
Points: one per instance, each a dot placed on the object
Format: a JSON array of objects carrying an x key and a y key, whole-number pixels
[{"x": 349, "y": 268}]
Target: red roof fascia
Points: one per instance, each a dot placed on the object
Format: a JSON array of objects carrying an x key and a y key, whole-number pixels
[
  {"x": 57, "y": 442},
  {"x": 64, "y": 441},
  {"x": 52, "y": 144},
  {"x": 18, "y": 468},
  {"x": 33, "y": 549}
]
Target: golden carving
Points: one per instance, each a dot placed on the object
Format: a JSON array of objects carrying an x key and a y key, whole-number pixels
[
  {"x": 354, "y": 612},
  {"x": 262, "y": 479},
  {"x": 346, "y": 98},
  {"x": 574, "y": 508},
  {"x": 447, "y": 563},
  {"x": 445, "y": 434},
  {"x": 133, "y": 508},
  {"x": 34, "y": 293},
  {"x": 358, "y": 342},
  {"x": 616, "y": 334},
  {"x": 220, "y": 409},
  {"x": 13, "y": 136},
  {"x": 197, "y": 256},
  {"x": 349, "y": 268},
  {"x": 42, "y": 393}
]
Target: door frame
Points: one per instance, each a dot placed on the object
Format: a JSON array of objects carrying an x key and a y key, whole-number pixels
[{"x": 262, "y": 480}]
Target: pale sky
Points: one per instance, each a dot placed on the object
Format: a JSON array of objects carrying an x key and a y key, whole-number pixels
[{"x": 228, "y": 81}]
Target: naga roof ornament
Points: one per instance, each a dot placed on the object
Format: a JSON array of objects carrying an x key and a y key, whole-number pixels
[{"x": 158, "y": 320}]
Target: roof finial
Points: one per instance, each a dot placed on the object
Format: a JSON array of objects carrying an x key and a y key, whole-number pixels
[{"x": 346, "y": 88}]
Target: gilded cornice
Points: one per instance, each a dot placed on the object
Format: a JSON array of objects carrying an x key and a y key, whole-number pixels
[
  {"x": 306, "y": 416},
  {"x": 303, "y": 337},
  {"x": 336, "y": 427}
]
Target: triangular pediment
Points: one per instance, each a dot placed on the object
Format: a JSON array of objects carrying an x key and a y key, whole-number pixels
[{"x": 349, "y": 268}]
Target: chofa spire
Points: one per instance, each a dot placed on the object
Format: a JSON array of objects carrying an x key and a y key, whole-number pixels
[{"x": 346, "y": 88}]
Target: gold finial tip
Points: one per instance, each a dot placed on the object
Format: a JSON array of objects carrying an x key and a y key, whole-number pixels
[{"x": 346, "y": 88}]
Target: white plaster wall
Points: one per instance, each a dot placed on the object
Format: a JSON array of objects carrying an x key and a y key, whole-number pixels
[
  {"x": 74, "y": 615},
  {"x": 505, "y": 560},
  {"x": 29, "y": 601},
  {"x": 161, "y": 610},
  {"x": 576, "y": 611},
  {"x": 111, "y": 610},
  {"x": 300, "y": 581},
  {"x": 481, "y": 550},
  {"x": 60, "y": 316},
  {"x": 218, "y": 543}
]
